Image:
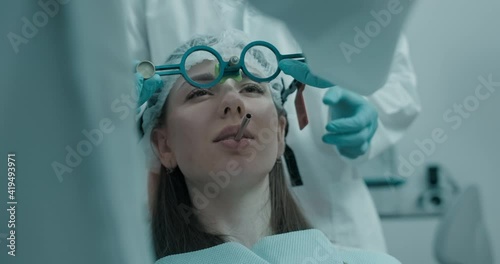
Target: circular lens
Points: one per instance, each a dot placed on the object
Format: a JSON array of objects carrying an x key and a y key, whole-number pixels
[
  {"x": 261, "y": 62},
  {"x": 202, "y": 67},
  {"x": 146, "y": 69}
]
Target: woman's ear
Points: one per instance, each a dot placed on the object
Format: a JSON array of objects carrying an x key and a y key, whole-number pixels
[
  {"x": 281, "y": 135},
  {"x": 165, "y": 152}
]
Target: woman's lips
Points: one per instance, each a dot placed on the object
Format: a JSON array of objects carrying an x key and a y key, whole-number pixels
[
  {"x": 230, "y": 132},
  {"x": 231, "y": 143}
]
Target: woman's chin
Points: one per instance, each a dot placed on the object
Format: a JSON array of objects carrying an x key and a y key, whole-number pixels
[{"x": 235, "y": 165}]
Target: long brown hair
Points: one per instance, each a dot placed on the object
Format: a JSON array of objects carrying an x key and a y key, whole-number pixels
[{"x": 176, "y": 229}]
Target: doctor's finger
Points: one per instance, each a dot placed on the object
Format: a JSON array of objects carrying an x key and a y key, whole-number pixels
[
  {"x": 337, "y": 94},
  {"x": 348, "y": 140},
  {"x": 373, "y": 128},
  {"x": 364, "y": 116},
  {"x": 333, "y": 96},
  {"x": 154, "y": 83},
  {"x": 139, "y": 82},
  {"x": 353, "y": 153},
  {"x": 349, "y": 124}
]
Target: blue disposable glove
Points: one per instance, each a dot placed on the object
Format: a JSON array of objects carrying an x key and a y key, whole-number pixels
[
  {"x": 353, "y": 121},
  {"x": 146, "y": 88}
]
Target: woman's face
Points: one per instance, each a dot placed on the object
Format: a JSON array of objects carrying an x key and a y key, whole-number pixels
[{"x": 196, "y": 117}]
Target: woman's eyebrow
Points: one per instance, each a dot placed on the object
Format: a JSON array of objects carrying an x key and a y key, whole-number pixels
[
  {"x": 245, "y": 78},
  {"x": 204, "y": 76},
  {"x": 201, "y": 78}
]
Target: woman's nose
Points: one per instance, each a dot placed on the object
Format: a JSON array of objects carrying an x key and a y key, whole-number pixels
[
  {"x": 228, "y": 110},
  {"x": 232, "y": 103}
]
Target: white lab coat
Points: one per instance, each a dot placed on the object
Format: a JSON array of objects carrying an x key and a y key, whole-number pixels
[
  {"x": 359, "y": 35},
  {"x": 334, "y": 198}
]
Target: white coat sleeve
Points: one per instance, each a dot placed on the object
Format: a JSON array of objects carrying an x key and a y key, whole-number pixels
[
  {"x": 397, "y": 104},
  {"x": 137, "y": 32},
  {"x": 344, "y": 39}
]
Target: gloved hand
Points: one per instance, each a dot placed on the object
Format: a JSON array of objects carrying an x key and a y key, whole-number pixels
[
  {"x": 354, "y": 120},
  {"x": 146, "y": 88},
  {"x": 353, "y": 123}
]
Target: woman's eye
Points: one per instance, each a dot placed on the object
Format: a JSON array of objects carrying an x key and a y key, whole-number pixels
[
  {"x": 253, "y": 89},
  {"x": 197, "y": 92}
]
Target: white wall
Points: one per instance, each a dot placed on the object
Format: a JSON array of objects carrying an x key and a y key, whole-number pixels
[{"x": 453, "y": 42}]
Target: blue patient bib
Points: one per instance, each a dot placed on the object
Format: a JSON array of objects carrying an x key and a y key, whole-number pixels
[{"x": 300, "y": 247}]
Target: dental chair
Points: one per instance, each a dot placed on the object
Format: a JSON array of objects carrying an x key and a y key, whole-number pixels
[{"x": 461, "y": 237}]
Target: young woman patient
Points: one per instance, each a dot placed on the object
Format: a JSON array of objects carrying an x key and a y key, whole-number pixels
[{"x": 218, "y": 199}]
